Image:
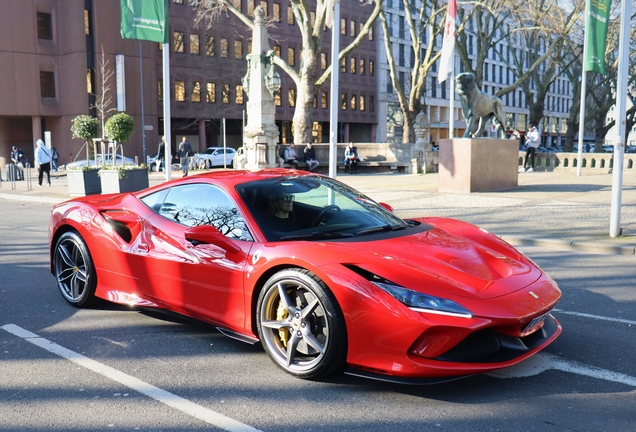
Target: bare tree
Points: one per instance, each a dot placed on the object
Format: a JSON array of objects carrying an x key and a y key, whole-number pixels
[
  {"x": 311, "y": 25},
  {"x": 425, "y": 23},
  {"x": 103, "y": 97}
]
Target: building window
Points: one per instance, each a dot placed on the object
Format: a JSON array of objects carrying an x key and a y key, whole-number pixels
[
  {"x": 209, "y": 46},
  {"x": 315, "y": 102},
  {"x": 87, "y": 22},
  {"x": 371, "y": 71},
  {"x": 276, "y": 11},
  {"x": 160, "y": 89},
  {"x": 250, "y": 7},
  {"x": 361, "y": 68},
  {"x": 312, "y": 19},
  {"x": 210, "y": 94},
  {"x": 324, "y": 103},
  {"x": 265, "y": 7},
  {"x": 323, "y": 61},
  {"x": 194, "y": 44},
  {"x": 225, "y": 90},
  {"x": 291, "y": 97},
  {"x": 389, "y": 82},
  {"x": 352, "y": 28},
  {"x": 352, "y": 65},
  {"x": 178, "y": 42},
  {"x": 224, "y": 47},
  {"x": 45, "y": 26},
  {"x": 47, "y": 84},
  {"x": 196, "y": 91},
  {"x": 290, "y": 15},
  {"x": 371, "y": 33},
  {"x": 277, "y": 99},
  {"x": 343, "y": 26},
  {"x": 89, "y": 81},
  {"x": 177, "y": 1},
  {"x": 361, "y": 104},
  {"x": 179, "y": 91},
  {"x": 343, "y": 65},
  {"x": 343, "y": 101},
  {"x": 291, "y": 56},
  {"x": 238, "y": 49},
  {"x": 401, "y": 55},
  {"x": 276, "y": 50},
  {"x": 354, "y": 98},
  {"x": 238, "y": 97},
  {"x": 237, "y": 4},
  {"x": 401, "y": 27}
]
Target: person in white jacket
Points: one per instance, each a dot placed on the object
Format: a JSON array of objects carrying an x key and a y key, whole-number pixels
[
  {"x": 43, "y": 162},
  {"x": 533, "y": 140}
]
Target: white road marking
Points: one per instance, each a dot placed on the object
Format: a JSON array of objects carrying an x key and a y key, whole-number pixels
[
  {"x": 542, "y": 362},
  {"x": 190, "y": 408},
  {"x": 598, "y": 317}
]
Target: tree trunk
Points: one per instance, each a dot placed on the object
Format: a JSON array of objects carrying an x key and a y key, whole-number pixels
[{"x": 304, "y": 113}]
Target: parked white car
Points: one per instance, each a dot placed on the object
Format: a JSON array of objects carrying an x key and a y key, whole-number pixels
[{"x": 215, "y": 156}]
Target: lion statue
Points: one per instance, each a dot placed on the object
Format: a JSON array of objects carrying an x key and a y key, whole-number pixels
[{"x": 477, "y": 105}]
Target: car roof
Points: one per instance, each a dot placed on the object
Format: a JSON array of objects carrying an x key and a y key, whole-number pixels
[
  {"x": 220, "y": 148},
  {"x": 230, "y": 178}
]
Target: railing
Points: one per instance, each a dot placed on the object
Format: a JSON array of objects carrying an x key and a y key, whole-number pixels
[{"x": 591, "y": 163}]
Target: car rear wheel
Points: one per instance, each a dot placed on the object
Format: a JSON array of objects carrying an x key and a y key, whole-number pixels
[
  {"x": 301, "y": 325},
  {"x": 74, "y": 270}
]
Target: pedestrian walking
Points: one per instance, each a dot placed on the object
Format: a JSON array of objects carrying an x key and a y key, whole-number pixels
[
  {"x": 161, "y": 153},
  {"x": 185, "y": 153},
  {"x": 43, "y": 162},
  {"x": 55, "y": 156},
  {"x": 532, "y": 143}
]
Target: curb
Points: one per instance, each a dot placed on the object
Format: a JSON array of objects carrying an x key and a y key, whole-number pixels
[{"x": 597, "y": 248}]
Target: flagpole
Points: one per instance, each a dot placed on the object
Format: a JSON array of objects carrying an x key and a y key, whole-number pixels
[
  {"x": 451, "y": 107},
  {"x": 166, "y": 111},
  {"x": 579, "y": 161},
  {"x": 621, "y": 107},
  {"x": 335, "y": 72}
]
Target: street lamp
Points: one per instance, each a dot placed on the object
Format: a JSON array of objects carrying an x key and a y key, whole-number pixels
[{"x": 272, "y": 79}]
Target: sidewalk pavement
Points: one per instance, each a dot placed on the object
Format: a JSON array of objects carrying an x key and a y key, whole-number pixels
[{"x": 554, "y": 210}]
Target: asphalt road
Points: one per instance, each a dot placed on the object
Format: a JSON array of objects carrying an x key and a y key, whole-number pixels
[{"x": 114, "y": 369}]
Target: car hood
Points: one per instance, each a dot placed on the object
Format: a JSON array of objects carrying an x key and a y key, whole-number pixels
[{"x": 451, "y": 258}]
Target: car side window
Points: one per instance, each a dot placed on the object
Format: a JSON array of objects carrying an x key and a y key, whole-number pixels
[{"x": 202, "y": 204}]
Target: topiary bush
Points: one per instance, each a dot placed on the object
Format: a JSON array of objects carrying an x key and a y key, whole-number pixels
[
  {"x": 84, "y": 127},
  {"x": 120, "y": 127}
]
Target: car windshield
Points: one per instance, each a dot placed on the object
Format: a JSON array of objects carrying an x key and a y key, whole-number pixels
[{"x": 314, "y": 208}]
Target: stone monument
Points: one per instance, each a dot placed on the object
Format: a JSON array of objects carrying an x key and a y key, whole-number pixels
[
  {"x": 260, "y": 82},
  {"x": 472, "y": 163}
]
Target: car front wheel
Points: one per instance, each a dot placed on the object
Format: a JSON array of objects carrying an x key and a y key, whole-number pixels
[
  {"x": 74, "y": 270},
  {"x": 301, "y": 325}
]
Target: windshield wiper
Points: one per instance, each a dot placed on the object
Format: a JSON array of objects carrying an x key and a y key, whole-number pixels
[
  {"x": 318, "y": 235},
  {"x": 381, "y": 228}
]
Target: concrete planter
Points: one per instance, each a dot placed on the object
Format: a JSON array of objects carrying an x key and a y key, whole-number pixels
[
  {"x": 131, "y": 180},
  {"x": 82, "y": 183}
]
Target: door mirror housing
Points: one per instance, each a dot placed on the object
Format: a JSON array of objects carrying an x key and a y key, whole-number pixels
[{"x": 207, "y": 234}]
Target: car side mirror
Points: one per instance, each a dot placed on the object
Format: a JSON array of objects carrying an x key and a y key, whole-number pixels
[
  {"x": 207, "y": 234},
  {"x": 386, "y": 206}
]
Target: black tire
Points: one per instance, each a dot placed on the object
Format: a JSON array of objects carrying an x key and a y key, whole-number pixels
[
  {"x": 300, "y": 325},
  {"x": 74, "y": 270}
]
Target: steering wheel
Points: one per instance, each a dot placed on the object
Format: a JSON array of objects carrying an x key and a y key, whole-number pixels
[{"x": 318, "y": 219}]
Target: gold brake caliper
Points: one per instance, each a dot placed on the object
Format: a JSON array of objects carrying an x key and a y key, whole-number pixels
[{"x": 281, "y": 314}]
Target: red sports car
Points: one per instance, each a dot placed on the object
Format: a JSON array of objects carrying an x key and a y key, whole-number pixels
[{"x": 326, "y": 278}]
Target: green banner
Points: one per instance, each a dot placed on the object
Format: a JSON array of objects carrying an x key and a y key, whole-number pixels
[
  {"x": 145, "y": 20},
  {"x": 596, "y": 22}
]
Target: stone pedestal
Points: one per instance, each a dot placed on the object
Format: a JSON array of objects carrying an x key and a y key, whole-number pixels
[{"x": 478, "y": 165}]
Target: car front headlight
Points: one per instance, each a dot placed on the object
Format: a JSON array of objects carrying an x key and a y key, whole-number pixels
[{"x": 424, "y": 303}]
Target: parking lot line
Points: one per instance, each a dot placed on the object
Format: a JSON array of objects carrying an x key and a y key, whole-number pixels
[
  {"x": 170, "y": 399},
  {"x": 598, "y": 317}
]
